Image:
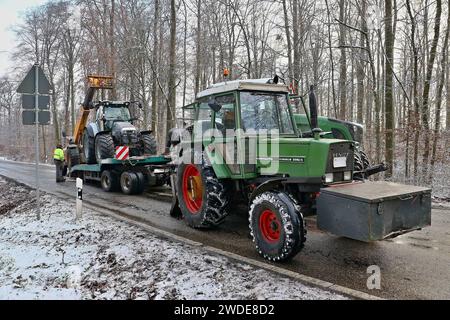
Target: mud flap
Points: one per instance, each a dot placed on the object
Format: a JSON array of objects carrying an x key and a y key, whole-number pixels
[{"x": 175, "y": 211}]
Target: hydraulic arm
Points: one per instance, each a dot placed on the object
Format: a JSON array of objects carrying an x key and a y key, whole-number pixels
[{"x": 95, "y": 83}]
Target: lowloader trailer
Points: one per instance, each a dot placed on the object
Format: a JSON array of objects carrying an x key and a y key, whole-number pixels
[{"x": 132, "y": 176}]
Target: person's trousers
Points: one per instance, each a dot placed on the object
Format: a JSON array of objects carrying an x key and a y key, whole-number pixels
[{"x": 59, "y": 171}]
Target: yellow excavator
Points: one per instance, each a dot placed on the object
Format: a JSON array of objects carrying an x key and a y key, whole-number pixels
[{"x": 113, "y": 126}]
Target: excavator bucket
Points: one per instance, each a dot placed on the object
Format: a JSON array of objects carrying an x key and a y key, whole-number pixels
[{"x": 100, "y": 82}]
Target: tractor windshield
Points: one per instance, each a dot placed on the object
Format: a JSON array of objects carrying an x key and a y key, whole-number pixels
[
  {"x": 117, "y": 113},
  {"x": 266, "y": 111}
]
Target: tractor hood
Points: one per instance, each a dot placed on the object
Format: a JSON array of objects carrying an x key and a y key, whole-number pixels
[
  {"x": 123, "y": 126},
  {"x": 125, "y": 134},
  {"x": 295, "y": 157}
]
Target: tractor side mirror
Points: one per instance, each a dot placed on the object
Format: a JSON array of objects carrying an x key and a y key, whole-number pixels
[{"x": 216, "y": 107}]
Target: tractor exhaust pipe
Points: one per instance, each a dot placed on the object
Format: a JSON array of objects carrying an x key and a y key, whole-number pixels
[{"x": 314, "y": 114}]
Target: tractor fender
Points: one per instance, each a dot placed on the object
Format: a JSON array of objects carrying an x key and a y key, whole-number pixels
[
  {"x": 102, "y": 132},
  {"x": 92, "y": 130},
  {"x": 268, "y": 185}
]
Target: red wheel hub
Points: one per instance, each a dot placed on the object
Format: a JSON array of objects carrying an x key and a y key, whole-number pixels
[
  {"x": 192, "y": 187},
  {"x": 270, "y": 226}
]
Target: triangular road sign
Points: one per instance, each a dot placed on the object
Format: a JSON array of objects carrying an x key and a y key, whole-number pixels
[{"x": 28, "y": 84}]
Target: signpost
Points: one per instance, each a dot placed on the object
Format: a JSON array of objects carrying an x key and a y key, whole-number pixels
[{"x": 35, "y": 85}]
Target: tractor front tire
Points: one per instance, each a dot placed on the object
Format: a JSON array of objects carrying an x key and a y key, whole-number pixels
[
  {"x": 364, "y": 159},
  {"x": 276, "y": 226},
  {"x": 358, "y": 167},
  {"x": 104, "y": 147},
  {"x": 88, "y": 148},
  {"x": 203, "y": 198},
  {"x": 149, "y": 144}
]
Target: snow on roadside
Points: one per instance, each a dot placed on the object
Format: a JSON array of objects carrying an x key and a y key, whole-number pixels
[{"x": 102, "y": 258}]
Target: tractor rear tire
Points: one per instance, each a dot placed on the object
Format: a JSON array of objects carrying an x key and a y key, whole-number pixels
[
  {"x": 276, "y": 226},
  {"x": 109, "y": 181},
  {"x": 104, "y": 147},
  {"x": 149, "y": 143},
  {"x": 88, "y": 148},
  {"x": 203, "y": 198},
  {"x": 129, "y": 183}
]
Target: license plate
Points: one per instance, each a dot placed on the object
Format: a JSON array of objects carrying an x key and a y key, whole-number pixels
[{"x": 340, "y": 162}]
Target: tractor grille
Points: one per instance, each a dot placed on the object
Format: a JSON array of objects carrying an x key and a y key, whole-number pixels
[
  {"x": 129, "y": 137},
  {"x": 340, "y": 151}
]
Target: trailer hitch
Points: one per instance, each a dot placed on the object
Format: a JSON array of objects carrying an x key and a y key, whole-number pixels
[{"x": 382, "y": 167}]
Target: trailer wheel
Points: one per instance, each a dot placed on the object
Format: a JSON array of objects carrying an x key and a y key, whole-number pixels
[
  {"x": 104, "y": 147},
  {"x": 203, "y": 198},
  {"x": 277, "y": 227},
  {"x": 109, "y": 181},
  {"x": 129, "y": 182},
  {"x": 88, "y": 148},
  {"x": 142, "y": 182},
  {"x": 149, "y": 143}
]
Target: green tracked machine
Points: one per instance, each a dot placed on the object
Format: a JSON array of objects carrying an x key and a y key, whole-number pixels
[{"x": 240, "y": 137}]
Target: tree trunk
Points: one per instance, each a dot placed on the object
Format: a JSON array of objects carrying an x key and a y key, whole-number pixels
[
  {"x": 342, "y": 63},
  {"x": 296, "y": 45},
  {"x": 288, "y": 40},
  {"x": 155, "y": 62},
  {"x": 388, "y": 89},
  {"x": 198, "y": 47},
  {"x": 330, "y": 45},
  {"x": 172, "y": 64},
  {"x": 112, "y": 48},
  {"x": 426, "y": 89},
  {"x": 437, "y": 122},
  {"x": 360, "y": 77},
  {"x": 416, "y": 119}
]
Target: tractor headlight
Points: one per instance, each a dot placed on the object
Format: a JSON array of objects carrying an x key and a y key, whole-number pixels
[
  {"x": 347, "y": 176},
  {"x": 329, "y": 178}
]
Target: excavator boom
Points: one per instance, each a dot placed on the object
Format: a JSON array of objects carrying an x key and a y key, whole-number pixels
[{"x": 95, "y": 82}]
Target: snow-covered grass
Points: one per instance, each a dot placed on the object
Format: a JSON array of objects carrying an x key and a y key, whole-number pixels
[
  {"x": 440, "y": 185},
  {"x": 102, "y": 258}
]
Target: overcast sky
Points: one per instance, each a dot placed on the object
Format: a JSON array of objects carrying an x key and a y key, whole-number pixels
[{"x": 11, "y": 12}]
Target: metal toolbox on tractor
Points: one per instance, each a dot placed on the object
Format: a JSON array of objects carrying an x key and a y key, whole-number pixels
[{"x": 371, "y": 211}]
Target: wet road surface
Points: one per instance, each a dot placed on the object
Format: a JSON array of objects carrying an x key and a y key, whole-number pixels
[{"x": 413, "y": 266}]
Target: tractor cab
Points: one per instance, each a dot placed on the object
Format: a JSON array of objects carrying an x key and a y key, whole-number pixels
[
  {"x": 110, "y": 113},
  {"x": 248, "y": 130}
]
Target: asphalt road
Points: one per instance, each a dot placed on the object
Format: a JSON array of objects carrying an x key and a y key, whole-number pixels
[{"x": 413, "y": 266}]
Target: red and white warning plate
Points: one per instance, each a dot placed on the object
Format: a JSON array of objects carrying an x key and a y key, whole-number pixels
[{"x": 122, "y": 153}]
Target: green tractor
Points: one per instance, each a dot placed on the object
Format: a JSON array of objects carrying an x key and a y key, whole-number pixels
[
  {"x": 240, "y": 137},
  {"x": 229, "y": 147}
]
